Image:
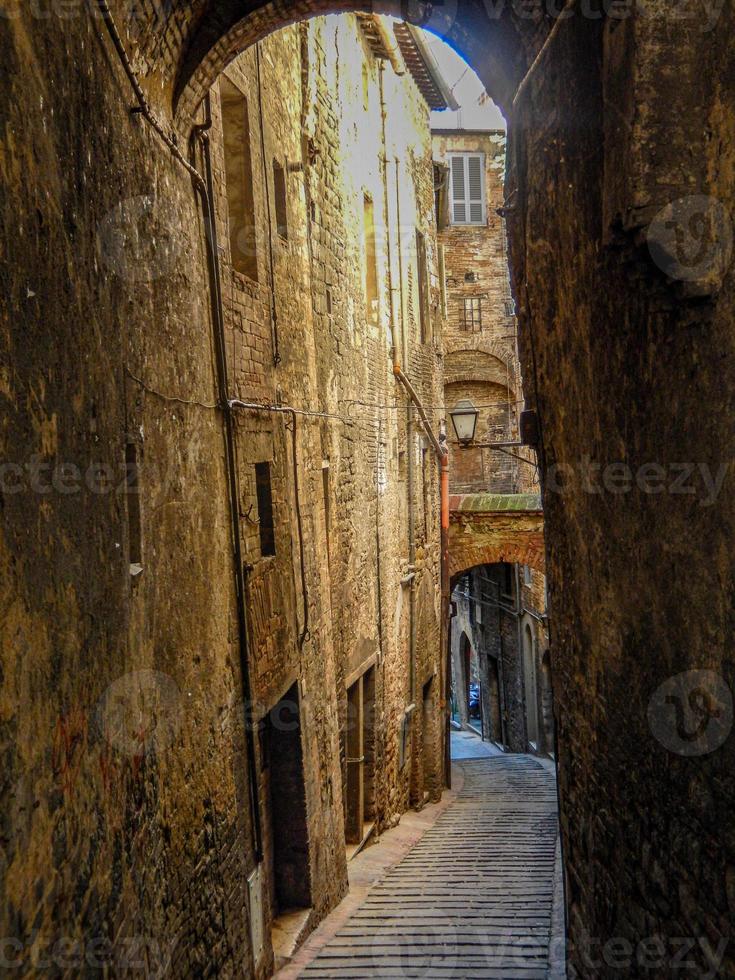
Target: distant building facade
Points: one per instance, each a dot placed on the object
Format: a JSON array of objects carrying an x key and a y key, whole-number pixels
[{"x": 501, "y": 683}]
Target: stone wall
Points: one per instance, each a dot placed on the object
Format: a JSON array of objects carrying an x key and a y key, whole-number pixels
[
  {"x": 491, "y": 606},
  {"x": 632, "y": 351},
  {"x": 128, "y": 816},
  {"x": 624, "y": 116}
]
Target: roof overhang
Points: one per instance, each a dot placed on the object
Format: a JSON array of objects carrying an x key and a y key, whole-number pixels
[{"x": 424, "y": 67}]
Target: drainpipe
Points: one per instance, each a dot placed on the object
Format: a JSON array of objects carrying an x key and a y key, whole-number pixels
[
  {"x": 205, "y": 190},
  {"x": 409, "y": 455},
  {"x": 212, "y": 247}
]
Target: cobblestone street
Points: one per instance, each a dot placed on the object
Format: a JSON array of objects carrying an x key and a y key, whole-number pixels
[{"x": 473, "y": 898}]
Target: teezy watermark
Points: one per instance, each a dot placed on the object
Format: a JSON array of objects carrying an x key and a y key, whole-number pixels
[
  {"x": 697, "y": 480},
  {"x": 691, "y": 240}
]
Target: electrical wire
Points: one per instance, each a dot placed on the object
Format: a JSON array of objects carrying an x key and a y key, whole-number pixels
[{"x": 169, "y": 398}]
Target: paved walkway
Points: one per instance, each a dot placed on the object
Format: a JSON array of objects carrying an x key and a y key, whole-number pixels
[
  {"x": 473, "y": 898},
  {"x": 465, "y": 744}
]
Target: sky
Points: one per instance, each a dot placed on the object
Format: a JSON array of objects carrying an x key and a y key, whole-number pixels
[{"x": 477, "y": 110}]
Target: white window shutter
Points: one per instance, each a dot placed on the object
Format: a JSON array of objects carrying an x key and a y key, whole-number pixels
[
  {"x": 459, "y": 193},
  {"x": 474, "y": 184}
]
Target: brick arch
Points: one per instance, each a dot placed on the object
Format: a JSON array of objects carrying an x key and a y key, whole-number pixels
[
  {"x": 465, "y": 365},
  {"x": 491, "y": 528},
  {"x": 523, "y": 551},
  {"x": 188, "y": 43},
  {"x": 494, "y": 348}
]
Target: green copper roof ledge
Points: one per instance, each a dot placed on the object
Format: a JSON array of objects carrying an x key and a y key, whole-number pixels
[{"x": 495, "y": 502}]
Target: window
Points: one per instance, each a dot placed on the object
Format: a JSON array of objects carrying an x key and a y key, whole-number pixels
[
  {"x": 279, "y": 193},
  {"x": 472, "y": 313},
  {"x": 239, "y": 179},
  {"x": 424, "y": 311},
  {"x": 467, "y": 189},
  {"x": 371, "y": 261},
  {"x": 508, "y": 580},
  {"x": 527, "y": 576},
  {"x": 510, "y": 307},
  {"x": 265, "y": 509}
]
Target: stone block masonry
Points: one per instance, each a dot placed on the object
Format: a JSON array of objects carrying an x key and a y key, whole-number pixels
[
  {"x": 627, "y": 354},
  {"x": 131, "y": 766}
]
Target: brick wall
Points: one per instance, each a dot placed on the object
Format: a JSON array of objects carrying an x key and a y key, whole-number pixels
[
  {"x": 481, "y": 361},
  {"x": 322, "y": 122},
  {"x": 150, "y": 836}
]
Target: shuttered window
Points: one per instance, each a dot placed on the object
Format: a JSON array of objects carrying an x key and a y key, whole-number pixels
[{"x": 468, "y": 188}]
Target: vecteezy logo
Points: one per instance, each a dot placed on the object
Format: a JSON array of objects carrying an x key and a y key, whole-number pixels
[
  {"x": 426, "y": 946},
  {"x": 691, "y": 239},
  {"x": 140, "y": 712},
  {"x": 692, "y": 713}
]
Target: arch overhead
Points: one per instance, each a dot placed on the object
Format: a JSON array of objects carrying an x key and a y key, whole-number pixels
[
  {"x": 186, "y": 44},
  {"x": 486, "y": 529},
  {"x": 479, "y": 365}
]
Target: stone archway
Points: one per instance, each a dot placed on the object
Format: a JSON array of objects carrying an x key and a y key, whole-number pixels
[
  {"x": 186, "y": 46},
  {"x": 487, "y": 529}
]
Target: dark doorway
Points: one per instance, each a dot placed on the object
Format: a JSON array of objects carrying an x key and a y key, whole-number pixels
[
  {"x": 495, "y": 717},
  {"x": 286, "y": 797},
  {"x": 430, "y": 739},
  {"x": 547, "y": 707},
  {"x": 360, "y": 758}
]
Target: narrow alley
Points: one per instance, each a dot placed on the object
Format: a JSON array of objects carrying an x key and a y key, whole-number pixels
[
  {"x": 367, "y": 489},
  {"x": 474, "y": 897}
]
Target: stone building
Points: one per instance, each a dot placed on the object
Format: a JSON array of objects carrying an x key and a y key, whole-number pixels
[
  {"x": 308, "y": 717},
  {"x": 499, "y": 640},
  {"x": 620, "y": 185}
]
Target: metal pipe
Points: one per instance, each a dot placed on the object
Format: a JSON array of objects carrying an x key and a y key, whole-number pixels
[
  {"x": 210, "y": 223},
  {"x": 491, "y": 445},
  {"x": 143, "y": 106},
  {"x": 414, "y": 398},
  {"x": 566, "y": 11}
]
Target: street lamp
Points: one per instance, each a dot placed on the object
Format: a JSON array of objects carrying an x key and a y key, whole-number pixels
[{"x": 464, "y": 419}]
